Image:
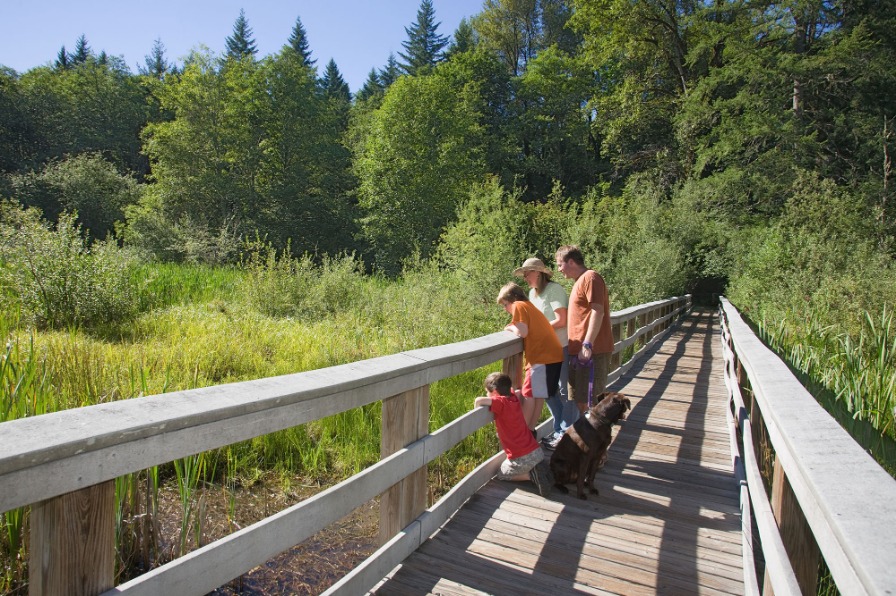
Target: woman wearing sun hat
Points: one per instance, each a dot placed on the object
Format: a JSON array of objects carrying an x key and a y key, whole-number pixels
[{"x": 551, "y": 299}]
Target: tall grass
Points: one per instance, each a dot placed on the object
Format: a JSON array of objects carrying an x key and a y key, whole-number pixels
[
  {"x": 852, "y": 375},
  {"x": 202, "y": 326}
]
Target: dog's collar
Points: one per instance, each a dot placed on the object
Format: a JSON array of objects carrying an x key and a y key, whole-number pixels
[{"x": 603, "y": 420}]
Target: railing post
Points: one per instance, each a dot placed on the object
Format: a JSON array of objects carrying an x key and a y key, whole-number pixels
[
  {"x": 72, "y": 547},
  {"x": 802, "y": 550},
  {"x": 616, "y": 358},
  {"x": 513, "y": 366},
  {"x": 405, "y": 419}
]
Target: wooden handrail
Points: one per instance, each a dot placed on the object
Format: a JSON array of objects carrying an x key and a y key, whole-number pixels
[
  {"x": 43, "y": 459},
  {"x": 827, "y": 494}
]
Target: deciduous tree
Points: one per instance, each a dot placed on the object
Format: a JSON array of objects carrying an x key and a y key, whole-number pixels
[{"x": 421, "y": 155}]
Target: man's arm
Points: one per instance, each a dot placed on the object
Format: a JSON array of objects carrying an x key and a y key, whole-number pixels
[{"x": 594, "y": 324}]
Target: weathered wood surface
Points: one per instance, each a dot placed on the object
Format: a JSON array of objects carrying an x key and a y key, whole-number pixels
[
  {"x": 49, "y": 455},
  {"x": 667, "y": 518},
  {"x": 847, "y": 499}
]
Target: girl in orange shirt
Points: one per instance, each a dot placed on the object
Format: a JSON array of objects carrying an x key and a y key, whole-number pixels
[{"x": 541, "y": 348}]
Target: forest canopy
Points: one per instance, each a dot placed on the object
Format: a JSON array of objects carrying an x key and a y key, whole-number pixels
[{"x": 687, "y": 146}]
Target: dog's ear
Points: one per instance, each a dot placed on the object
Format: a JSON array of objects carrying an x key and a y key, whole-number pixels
[{"x": 627, "y": 402}]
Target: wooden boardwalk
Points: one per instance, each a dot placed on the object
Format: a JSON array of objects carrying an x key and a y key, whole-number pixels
[{"x": 667, "y": 519}]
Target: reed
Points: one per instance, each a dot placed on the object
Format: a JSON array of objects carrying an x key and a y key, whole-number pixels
[
  {"x": 852, "y": 375},
  {"x": 201, "y": 330}
]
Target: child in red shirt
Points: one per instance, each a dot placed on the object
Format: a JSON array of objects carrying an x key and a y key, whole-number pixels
[{"x": 523, "y": 451}]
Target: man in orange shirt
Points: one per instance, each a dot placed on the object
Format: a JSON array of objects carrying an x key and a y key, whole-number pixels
[{"x": 590, "y": 332}]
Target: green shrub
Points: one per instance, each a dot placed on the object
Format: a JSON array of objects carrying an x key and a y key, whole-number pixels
[
  {"x": 157, "y": 235},
  {"x": 84, "y": 184},
  {"x": 488, "y": 240},
  {"x": 280, "y": 285},
  {"x": 59, "y": 278}
]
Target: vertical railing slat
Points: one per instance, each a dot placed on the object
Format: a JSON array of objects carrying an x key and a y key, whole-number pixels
[
  {"x": 73, "y": 543},
  {"x": 405, "y": 419}
]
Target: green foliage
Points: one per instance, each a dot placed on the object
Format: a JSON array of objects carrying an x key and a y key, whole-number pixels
[
  {"x": 424, "y": 45},
  {"x": 552, "y": 127},
  {"x": 852, "y": 375},
  {"x": 418, "y": 160},
  {"x": 59, "y": 279},
  {"x": 241, "y": 44},
  {"x": 252, "y": 146},
  {"x": 87, "y": 108},
  {"x": 156, "y": 235},
  {"x": 84, "y": 184},
  {"x": 280, "y": 285},
  {"x": 488, "y": 240},
  {"x": 333, "y": 85}
]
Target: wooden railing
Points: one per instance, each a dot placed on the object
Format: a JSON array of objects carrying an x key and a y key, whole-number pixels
[
  {"x": 807, "y": 488},
  {"x": 64, "y": 464}
]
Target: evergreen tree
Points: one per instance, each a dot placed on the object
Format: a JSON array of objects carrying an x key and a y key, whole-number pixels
[
  {"x": 298, "y": 41},
  {"x": 423, "y": 46},
  {"x": 62, "y": 59},
  {"x": 464, "y": 38},
  {"x": 82, "y": 51},
  {"x": 241, "y": 44},
  {"x": 389, "y": 73},
  {"x": 156, "y": 64},
  {"x": 332, "y": 83},
  {"x": 371, "y": 87}
]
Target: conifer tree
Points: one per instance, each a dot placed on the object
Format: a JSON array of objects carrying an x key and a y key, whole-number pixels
[
  {"x": 62, "y": 59},
  {"x": 156, "y": 64},
  {"x": 298, "y": 41},
  {"x": 371, "y": 87},
  {"x": 389, "y": 73},
  {"x": 82, "y": 51},
  {"x": 332, "y": 83},
  {"x": 424, "y": 45},
  {"x": 241, "y": 44},
  {"x": 464, "y": 38}
]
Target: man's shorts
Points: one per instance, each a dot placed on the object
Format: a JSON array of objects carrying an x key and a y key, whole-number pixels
[
  {"x": 579, "y": 377},
  {"x": 542, "y": 380},
  {"x": 520, "y": 465}
]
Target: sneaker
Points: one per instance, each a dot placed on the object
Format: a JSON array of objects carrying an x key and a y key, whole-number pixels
[
  {"x": 550, "y": 441},
  {"x": 541, "y": 480}
]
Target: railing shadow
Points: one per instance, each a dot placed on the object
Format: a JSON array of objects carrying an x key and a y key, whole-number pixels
[
  {"x": 676, "y": 567},
  {"x": 555, "y": 561}
]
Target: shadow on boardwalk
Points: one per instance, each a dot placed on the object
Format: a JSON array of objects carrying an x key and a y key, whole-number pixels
[{"x": 666, "y": 520}]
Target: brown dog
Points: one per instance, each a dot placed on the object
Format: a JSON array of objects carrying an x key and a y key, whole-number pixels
[{"x": 583, "y": 448}]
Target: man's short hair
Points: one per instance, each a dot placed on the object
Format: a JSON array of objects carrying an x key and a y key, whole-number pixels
[
  {"x": 499, "y": 383},
  {"x": 570, "y": 252}
]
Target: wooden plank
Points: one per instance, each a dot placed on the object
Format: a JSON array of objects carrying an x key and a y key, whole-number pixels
[
  {"x": 852, "y": 521},
  {"x": 405, "y": 419},
  {"x": 667, "y": 519},
  {"x": 72, "y": 548},
  {"x": 49, "y": 455},
  {"x": 495, "y": 529},
  {"x": 217, "y": 563}
]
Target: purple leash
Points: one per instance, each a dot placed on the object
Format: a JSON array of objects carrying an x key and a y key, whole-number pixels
[{"x": 574, "y": 361}]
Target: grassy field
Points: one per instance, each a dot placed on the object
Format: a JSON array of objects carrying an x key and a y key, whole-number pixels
[{"x": 203, "y": 326}]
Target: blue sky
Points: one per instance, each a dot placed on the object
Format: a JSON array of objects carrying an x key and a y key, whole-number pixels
[{"x": 358, "y": 34}]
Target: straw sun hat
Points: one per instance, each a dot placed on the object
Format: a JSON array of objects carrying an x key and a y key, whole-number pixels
[{"x": 532, "y": 264}]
